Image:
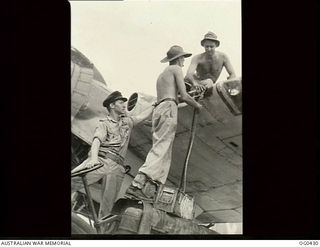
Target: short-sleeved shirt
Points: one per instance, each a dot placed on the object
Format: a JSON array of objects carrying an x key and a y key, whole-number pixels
[{"x": 115, "y": 135}]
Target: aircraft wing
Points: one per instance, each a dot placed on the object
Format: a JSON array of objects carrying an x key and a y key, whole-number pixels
[{"x": 214, "y": 173}]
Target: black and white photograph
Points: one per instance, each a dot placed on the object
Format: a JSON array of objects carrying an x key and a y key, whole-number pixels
[
  {"x": 159, "y": 120},
  {"x": 156, "y": 118}
]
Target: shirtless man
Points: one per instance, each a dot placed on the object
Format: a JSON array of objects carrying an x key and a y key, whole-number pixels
[
  {"x": 164, "y": 124},
  {"x": 205, "y": 68}
]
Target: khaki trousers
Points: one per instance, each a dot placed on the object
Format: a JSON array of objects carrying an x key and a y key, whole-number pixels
[{"x": 164, "y": 125}]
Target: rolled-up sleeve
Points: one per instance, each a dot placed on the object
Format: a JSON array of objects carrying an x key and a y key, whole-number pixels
[{"x": 100, "y": 132}]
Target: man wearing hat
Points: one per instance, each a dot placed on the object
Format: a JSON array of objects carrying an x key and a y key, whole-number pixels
[
  {"x": 205, "y": 68},
  {"x": 164, "y": 123},
  {"x": 109, "y": 147}
]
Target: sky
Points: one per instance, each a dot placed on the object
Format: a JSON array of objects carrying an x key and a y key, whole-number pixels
[{"x": 126, "y": 40}]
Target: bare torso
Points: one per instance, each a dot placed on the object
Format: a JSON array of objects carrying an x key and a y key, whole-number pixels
[
  {"x": 166, "y": 84},
  {"x": 209, "y": 67}
]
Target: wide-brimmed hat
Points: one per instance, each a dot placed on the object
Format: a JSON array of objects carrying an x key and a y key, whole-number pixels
[
  {"x": 175, "y": 52},
  {"x": 210, "y": 36},
  {"x": 113, "y": 97}
]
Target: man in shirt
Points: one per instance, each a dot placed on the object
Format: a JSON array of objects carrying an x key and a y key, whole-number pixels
[{"x": 109, "y": 147}]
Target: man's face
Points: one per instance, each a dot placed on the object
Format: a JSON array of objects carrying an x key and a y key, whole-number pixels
[
  {"x": 209, "y": 46},
  {"x": 119, "y": 107},
  {"x": 181, "y": 61}
]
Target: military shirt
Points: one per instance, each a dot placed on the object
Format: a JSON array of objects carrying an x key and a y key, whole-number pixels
[{"x": 115, "y": 135}]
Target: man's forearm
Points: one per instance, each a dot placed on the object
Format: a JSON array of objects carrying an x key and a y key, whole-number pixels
[
  {"x": 190, "y": 101},
  {"x": 190, "y": 78},
  {"x": 95, "y": 148},
  {"x": 231, "y": 76},
  {"x": 144, "y": 114}
]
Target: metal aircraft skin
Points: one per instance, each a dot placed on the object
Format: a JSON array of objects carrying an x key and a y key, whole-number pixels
[{"x": 215, "y": 167}]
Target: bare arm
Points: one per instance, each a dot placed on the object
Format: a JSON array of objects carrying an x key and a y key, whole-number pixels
[
  {"x": 182, "y": 89},
  {"x": 229, "y": 68},
  {"x": 190, "y": 78},
  {"x": 94, "y": 151},
  {"x": 93, "y": 157},
  {"x": 191, "y": 70}
]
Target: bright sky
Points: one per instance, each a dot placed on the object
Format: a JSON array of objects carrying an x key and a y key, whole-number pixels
[{"x": 127, "y": 39}]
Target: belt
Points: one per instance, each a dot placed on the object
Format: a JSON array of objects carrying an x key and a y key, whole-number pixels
[
  {"x": 165, "y": 99},
  {"x": 115, "y": 157}
]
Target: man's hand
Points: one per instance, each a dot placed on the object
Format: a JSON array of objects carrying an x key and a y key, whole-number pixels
[
  {"x": 200, "y": 88},
  {"x": 199, "y": 108},
  {"x": 92, "y": 162},
  {"x": 148, "y": 123},
  {"x": 87, "y": 165}
]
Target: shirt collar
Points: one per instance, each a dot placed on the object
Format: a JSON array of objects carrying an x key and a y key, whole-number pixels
[{"x": 114, "y": 121}]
